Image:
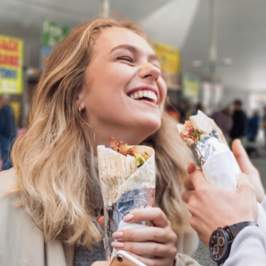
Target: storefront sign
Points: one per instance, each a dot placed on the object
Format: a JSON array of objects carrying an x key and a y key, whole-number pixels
[
  {"x": 191, "y": 87},
  {"x": 11, "y": 63},
  {"x": 52, "y": 33},
  {"x": 170, "y": 61}
]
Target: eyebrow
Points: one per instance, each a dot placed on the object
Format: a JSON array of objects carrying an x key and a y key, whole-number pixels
[{"x": 133, "y": 49}]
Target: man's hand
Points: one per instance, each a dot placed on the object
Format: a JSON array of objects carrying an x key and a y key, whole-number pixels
[{"x": 212, "y": 207}]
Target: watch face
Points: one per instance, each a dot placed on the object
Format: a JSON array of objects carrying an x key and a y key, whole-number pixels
[{"x": 219, "y": 245}]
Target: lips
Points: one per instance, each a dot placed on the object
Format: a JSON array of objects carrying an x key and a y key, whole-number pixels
[{"x": 144, "y": 93}]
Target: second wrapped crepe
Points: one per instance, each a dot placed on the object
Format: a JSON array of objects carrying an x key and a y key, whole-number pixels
[
  {"x": 214, "y": 156},
  {"x": 211, "y": 151},
  {"x": 127, "y": 176}
]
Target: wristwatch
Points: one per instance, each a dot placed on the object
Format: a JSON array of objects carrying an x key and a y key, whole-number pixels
[{"x": 221, "y": 241}]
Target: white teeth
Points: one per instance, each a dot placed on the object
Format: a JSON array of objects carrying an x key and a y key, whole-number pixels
[{"x": 144, "y": 93}]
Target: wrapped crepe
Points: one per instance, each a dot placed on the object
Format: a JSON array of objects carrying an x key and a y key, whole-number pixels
[
  {"x": 218, "y": 163},
  {"x": 127, "y": 177},
  {"x": 211, "y": 151}
]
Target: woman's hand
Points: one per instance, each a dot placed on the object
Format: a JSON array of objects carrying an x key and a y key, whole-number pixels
[
  {"x": 101, "y": 263},
  {"x": 212, "y": 207},
  {"x": 153, "y": 245},
  {"x": 248, "y": 169}
]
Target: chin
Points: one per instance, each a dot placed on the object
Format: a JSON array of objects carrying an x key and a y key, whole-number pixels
[{"x": 151, "y": 125}]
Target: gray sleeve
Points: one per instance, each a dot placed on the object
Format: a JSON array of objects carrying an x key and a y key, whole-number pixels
[{"x": 249, "y": 248}]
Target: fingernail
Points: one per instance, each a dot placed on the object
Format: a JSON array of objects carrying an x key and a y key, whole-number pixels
[
  {"x": 191, "y": 168},
  {"x": 118, "y": 234},
  {"x": 238, "y": 141},
  {"x": 117, "y": 244},
  {"x": 128, "y": 217}
]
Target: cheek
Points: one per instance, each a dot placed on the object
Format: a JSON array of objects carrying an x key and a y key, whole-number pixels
[
  {"x": 106, "y": 96},
  {"x": 163, "y": 90},
  {"x": 110, "y": 87},
  {"x": 116, "y": 75}
]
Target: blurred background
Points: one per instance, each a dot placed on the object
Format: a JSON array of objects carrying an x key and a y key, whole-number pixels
[{"x": 212, "y": 53}]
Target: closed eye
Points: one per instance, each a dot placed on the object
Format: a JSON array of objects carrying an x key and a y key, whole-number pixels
[{"x": 126, "y": 59}]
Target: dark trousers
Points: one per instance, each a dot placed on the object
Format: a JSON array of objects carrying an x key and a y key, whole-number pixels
[{"x": 5, "y": 145}]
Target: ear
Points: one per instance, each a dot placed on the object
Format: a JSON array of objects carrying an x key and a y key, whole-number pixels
[{"x": 80, "y": 101}]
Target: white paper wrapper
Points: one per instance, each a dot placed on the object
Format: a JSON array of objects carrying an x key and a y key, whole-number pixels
[
  {"x": 124, "y": 187},
  {"x": 216, "y": 159},
  {"x": 220, "y": 167}
]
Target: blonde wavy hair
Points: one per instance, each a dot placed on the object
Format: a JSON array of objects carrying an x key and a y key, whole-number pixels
[{"x": 56, "y": 175}]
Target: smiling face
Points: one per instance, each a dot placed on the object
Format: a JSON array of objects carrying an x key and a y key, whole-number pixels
[{"x": 123, "y": 92}]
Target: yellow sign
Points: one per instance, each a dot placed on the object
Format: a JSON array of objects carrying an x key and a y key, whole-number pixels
[
  {"x": 170, "y": 61},
  {"x": 169, "y": 57},
  {"x": 11, "y": 62}
]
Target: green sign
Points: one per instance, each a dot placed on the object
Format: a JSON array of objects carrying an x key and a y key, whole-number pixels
[{"x": 52, "y": 33}]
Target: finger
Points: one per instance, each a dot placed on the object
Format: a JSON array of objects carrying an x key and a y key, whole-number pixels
[
  {"x": 191, "y": 168},
  {"x": 192, "y": 203},
  {"x": 204, "y": 232},
  {"x": 242, "y": 179},
  {"x": 186, "y": 196},
  {"x": 188, "y": 183},
  {"x": 243, "y": 186},
  {"x": 100, "y": 263},
  {"x": 197, "y": 180},
  {"x": 148, "y": 249},
  {"x": 156, "y": 261},
  {"x": 242, "y": 157},
  {"x": 145, "y": 234},
  {"x": 194, "y": 208},
  {"x": 153, "y": 215}
]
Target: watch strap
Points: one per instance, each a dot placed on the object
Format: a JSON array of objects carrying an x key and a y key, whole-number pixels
[{"x": 234, "y": 229}]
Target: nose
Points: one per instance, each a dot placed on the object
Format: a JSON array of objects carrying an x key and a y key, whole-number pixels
[{"x": 149, "y": 71}]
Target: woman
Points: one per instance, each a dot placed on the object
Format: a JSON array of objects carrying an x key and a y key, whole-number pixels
[{"x": 103, "y": 81}]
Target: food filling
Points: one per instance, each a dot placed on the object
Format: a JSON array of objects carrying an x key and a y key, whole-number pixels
[{"x": 130, "y": 150}]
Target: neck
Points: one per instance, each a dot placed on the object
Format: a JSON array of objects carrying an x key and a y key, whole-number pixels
[{"x": 103, "y": 136}]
